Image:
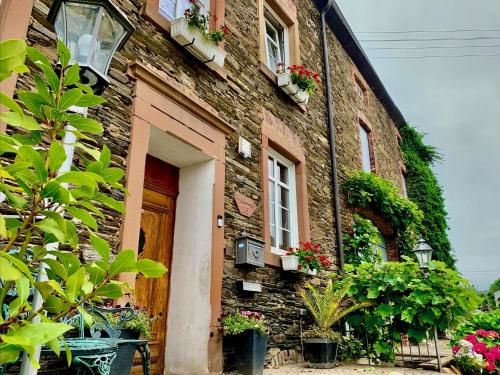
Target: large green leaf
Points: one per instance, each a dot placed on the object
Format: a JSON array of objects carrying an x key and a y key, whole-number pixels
[
  {"x": 57, "y": 268},
  {"x": 33, "y": 101},
  {"x": 18, "y": 264},
  {"x": 90, "y": 100},
  {"x": 124, "y": 262},
  {"x": 110, "y": 202},
  {"x": 37, "y": 57},
  {"x": 69, "y": 98},
  {"x": 10, "y": 103},
  {"x": 9, "y": 352},
  {"x": 78, "y": 179},
  {"x": 28, "y": 153},
  {"x": 57, "y": 155},
  {"x": 112, "y": 175},
  {"x": 101, "y": 246},
  {"x": 72, "y": 75},
  {"x": 12, "y": 56},
  {"x": 83, "y": 216},
  {"x": 74, "y": 284},
  {"x": 85, "y": 124},
  {"x": 112, "y": 290},
  {"x": 8, "y": 271},
  {"x": 150, "y": 268},
  {"x": 51, "y": 226},
  {"x": 63, "y": 53},
  {"x": 19, "y": 120}
]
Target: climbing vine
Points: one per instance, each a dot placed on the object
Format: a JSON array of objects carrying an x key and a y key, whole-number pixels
[
  {"x": 368, "y": 190},
  {"x": 360, "y": 245},
  {"x": 423, "y": 189}
]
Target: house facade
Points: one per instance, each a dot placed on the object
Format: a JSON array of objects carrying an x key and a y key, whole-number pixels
[{"x": 179, "y": 126}]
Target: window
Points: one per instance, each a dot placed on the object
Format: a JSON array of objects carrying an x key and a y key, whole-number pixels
[
  {"x": 276, "y": 40},
  {"x": 381, "y": 248},
  {"x": 172, "y": 9},
  {"x": 366, "y": 156},
  {"x": 403, "y": 183},
  {"x": 360, "y": 90},
  {"x": 282, "y": 203}
]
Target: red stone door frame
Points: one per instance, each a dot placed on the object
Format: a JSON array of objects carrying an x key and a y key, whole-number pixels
[{"x": 159, "y": 101}]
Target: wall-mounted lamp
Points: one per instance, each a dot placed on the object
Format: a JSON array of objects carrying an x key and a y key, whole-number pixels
[{"x": 93, "y": 30}]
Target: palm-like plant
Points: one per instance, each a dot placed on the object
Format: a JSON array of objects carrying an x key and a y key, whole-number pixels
[{"x": 327, "y": 306}]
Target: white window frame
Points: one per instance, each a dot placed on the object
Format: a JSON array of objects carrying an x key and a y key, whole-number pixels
[
  {"x": 285, "y": 54},
  {"x": 294, "y": 227},
  {"x": 204, "y": 6},
  {"x": 366, "y": 156},
  {"x": 360, "y": 90},
  {"x": 403, "y": 182}
]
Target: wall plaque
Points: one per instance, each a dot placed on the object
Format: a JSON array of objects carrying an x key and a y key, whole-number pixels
[{"x": 246, "y": 205}]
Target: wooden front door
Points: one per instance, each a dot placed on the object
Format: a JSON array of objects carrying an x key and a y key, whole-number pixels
[{"x": 161, "y": 187}]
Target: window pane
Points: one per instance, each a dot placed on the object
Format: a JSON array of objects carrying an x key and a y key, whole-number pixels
[
  {"x": 271, "y": 32},
  {"x": 270, "y": 167},
  {"x": 273, "y": 236},
  {"x": 80, "y": 21},
  {"x": 283, "y": 173},
  {"x": 167, "y": 8},
  {"x": 382, "y": 248},
  {"x": 285, "y": 218},
  {"x": 271, "y": 191},
  {"x": 272, "y": 213},
  {"x": 365, "y": 149},
  {"x": 283, "y": 199},
  {"x": 284, "y": 239},
  {"x": 110, "y": 33}
]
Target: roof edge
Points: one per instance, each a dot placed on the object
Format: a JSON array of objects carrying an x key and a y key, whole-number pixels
[{"x": 341, "y": 29}]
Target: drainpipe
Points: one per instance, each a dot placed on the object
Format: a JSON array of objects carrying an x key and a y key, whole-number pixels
[{"x": 331, "y": 136}]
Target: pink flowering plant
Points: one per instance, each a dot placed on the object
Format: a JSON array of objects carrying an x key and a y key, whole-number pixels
[
  {"x": 243, "y": 320},
  {"x": 201, "y": 22},
  {"x": 309, "y": 256},
  {"x": 478, "y": 353}
]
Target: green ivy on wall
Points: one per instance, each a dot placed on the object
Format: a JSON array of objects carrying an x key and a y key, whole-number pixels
[
  {"x": 368, "y": 190},
  {"x": 360, "y": 246},
  {"x": 423, "y": 189}
]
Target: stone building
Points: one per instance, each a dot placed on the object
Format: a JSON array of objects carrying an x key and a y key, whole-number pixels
[{"x": 176, "y": 124}]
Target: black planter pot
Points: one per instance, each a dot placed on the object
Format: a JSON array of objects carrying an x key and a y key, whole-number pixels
[
  {"x": 321, "y": 353},
  {"x": 250, "y": 352},
  {"x": 122, "y": 365}
]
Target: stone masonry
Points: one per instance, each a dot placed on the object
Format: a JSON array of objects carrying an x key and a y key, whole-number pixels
[{"x": 239, "y": 99}]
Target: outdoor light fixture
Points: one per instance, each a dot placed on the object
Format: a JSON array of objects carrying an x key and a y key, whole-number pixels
[
  {"x": 423, "y": 252},
  {"x": 93, "y": 30}
]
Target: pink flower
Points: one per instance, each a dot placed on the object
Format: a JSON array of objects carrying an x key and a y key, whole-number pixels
[
  {"x": 490, "y": 366},
  {"x": 471, "y": 338},
  {"x": 480, "y": 347},
  {"x": 455, "y": 349}
]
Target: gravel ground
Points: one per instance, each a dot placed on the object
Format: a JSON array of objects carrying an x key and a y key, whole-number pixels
[{"x": 346, "y": 369}]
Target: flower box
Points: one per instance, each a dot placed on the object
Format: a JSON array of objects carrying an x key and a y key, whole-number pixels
[
  {"x": 197, "y": 44},
  {"x": 291, "y": 263},
  {"x": 297, "y": 94}
]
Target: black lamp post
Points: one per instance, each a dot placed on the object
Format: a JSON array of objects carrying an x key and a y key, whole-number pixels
[
  {"x": 93, "y": 30},
  {"x": 423, "y": 252}
]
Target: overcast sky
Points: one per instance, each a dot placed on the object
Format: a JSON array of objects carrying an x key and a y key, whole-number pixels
[{"x": 455, "y": 100}]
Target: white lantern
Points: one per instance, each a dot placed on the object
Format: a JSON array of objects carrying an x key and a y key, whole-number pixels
[
  {"x": 93, "y": 30},
  {"x": 423, "y": 252}
]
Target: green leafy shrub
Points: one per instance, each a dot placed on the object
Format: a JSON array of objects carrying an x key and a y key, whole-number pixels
[
  {"x": 48, "y": 203},
  {"x": 327, "y": 306},
  {"x": 360, "y": 246},
  {"x": 368, "y": 190},
  {"x": 405, "y": 301},
  {"x": 423, "y": 189},
  {"x": 488, "y": 320},
  {"x": 234, "y": 324}
]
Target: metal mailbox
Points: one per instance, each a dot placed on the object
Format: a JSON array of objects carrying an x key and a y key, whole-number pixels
[{"x": 249, "y": 251}]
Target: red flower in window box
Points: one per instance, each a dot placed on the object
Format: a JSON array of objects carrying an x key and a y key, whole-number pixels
[{"x": 309, "y": 258}]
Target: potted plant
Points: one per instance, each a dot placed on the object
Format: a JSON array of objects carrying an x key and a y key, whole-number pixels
[
  {"x": 130, "y": 330},
  {"x": 297, "y": 81},
  {"x": 327, "y": 306},
  {"x": 305, "y": 258},
  {"x": 249, "y": 334},
  {"x": 191, "y": 32}
]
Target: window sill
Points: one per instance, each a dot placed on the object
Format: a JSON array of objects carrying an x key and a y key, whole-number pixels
[
  {"x": 273, "y": 78},
  {"x": 271, "y": 259}
]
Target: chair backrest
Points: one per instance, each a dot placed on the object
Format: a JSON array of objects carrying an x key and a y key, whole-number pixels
[{"x": 103, "y": 323}]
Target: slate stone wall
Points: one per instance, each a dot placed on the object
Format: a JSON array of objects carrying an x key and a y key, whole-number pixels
[{"x": 239, "y": 100}]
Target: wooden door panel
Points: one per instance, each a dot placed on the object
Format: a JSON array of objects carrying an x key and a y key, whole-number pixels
[{"x": 157, "y": 223}]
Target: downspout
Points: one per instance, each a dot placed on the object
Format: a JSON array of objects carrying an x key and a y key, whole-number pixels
[{"x": 331, "y": 136}]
